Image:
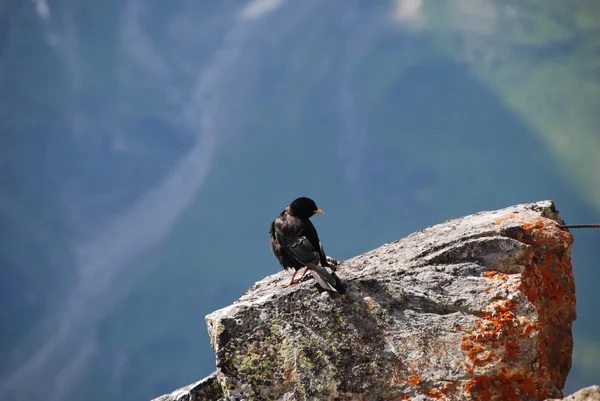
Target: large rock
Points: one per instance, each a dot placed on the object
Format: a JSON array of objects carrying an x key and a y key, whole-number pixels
[{"x": 477, "y": 308}]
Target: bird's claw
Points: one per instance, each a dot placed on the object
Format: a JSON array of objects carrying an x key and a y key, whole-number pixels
[{"x": 332, "y": 261}]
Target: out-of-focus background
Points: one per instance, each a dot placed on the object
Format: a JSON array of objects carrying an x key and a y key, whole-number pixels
[{"x": 146, "y": 146}]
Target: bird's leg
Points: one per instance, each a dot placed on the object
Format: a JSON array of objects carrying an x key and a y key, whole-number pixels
[
  {"x": 303, "y": 273},
  {"x": 291, "y": 281}
]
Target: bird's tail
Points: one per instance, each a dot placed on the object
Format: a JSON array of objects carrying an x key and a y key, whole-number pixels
[{"x": 326, "y": 279}]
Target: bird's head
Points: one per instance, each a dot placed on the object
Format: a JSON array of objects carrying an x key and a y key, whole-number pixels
[{"x": 304, "y": 208}]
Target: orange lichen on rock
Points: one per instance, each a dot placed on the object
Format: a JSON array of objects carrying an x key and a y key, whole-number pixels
[
  {"x": 512, "y": 350},
  {"x": 490, "y": 333},
  {"x": 493, "y": 274},
  {"x": 503, "y": 335},
  {"x": 447, "y": 386},
  {"x": 515, "y": 387},
  {"x": 479, "y": 385},
  {"x": 440, "y": 393},
  {"x": 414, "y": 380},
  {"x": 508, "y": 217},
  {"x": 433, "y": 393},
  {"x": 549, "y": 285}
]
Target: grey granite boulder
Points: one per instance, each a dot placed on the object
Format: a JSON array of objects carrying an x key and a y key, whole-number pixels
[{"x": 477, "y": 308}]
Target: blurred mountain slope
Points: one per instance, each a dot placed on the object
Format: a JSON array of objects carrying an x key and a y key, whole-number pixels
[{"x": 146, "y": 148}]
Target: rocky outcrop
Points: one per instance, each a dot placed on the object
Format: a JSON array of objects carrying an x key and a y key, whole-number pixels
[
  {"x": 477, "y": 308},
  {"x": 209, "y": 389}
]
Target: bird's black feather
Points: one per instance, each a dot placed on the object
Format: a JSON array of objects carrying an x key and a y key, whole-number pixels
[{"x": 295, "y": 243}]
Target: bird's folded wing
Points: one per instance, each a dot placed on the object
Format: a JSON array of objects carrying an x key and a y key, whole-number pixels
[{"x": 303, "y": 251}]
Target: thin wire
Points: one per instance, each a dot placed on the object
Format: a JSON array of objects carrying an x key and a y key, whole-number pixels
[{"x": 580, "y": 226}]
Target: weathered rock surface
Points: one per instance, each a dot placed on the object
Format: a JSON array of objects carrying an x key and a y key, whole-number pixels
[
  {"x": 207, "y": 389},
  {"x": 591, "y": 393},
  {"x": 477, "y": 308}
]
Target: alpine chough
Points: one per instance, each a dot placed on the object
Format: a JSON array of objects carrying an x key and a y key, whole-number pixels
[{"x": 295, "y": 243}]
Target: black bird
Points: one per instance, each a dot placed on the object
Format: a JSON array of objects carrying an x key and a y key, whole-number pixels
[{"x": 295, "y": 243}]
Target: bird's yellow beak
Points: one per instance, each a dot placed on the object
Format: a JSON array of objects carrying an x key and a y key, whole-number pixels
[{"x": 319, "y": 211}]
